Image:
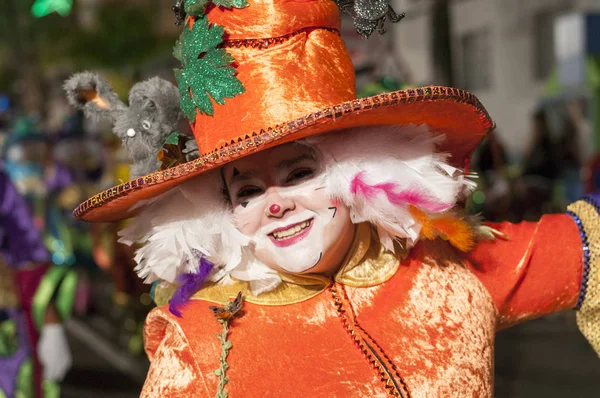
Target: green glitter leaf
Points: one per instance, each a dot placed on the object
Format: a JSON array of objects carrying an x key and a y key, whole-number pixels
[
  {"x": 187, "y": 104},
  {"x": 231, "y": 3},
  {"x": 171, "y": 153},
  {"x": 198, "y": 7},
  {"x": 178, "y": 50},
  {"x": 207, "y": 72},
  {"x": 172, "y": 139},
  {"x": 195, "y": 7}
]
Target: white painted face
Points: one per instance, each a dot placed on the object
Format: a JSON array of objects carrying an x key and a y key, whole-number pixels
[{"x": 280, "y": 203}]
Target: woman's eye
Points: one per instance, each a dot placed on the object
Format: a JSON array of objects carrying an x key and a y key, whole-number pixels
[
  {"x": 246, "y": 192},
  {"x": 299, "y": 174}
]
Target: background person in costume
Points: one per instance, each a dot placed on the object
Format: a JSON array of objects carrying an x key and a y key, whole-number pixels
[
  {"x": 490, "y": 162},
  {"x": 46, "y": 183},
  {"x": 540, "y": 170},
  {"x": 339, "y": 229},
  {"x": 28, "y": 320}
]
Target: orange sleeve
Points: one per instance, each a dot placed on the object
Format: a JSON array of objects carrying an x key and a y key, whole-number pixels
[
  {"x": 535, "y": 270},
  {"x": 173, "y": 369}
]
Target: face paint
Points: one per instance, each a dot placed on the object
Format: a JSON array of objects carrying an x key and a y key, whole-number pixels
[
  {"x": 309, "y": 233},
  {"x": 295, "y": 243},
  {"x": 334, "y": 209}
]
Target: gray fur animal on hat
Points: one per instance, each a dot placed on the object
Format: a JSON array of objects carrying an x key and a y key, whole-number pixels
[{"x": 143, "y": 126}]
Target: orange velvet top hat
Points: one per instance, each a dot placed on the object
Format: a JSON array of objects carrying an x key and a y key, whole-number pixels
[{"x": 298, "y": 81}]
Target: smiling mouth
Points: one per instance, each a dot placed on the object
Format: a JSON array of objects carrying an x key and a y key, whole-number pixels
[{"x": 292, "y": 234}]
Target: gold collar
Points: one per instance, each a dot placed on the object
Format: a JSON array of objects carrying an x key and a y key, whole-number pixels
[{"x": 367, "y": 263}]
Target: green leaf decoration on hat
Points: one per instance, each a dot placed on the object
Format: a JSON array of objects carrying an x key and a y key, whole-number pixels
[
  {"x": 231, "y": 3},
  {"x": 172, "y": 152},
  {"x": 178, "y": 49},
  {"x": 207, "y": 72},
  {"x": 195, "y": 7},
  {"x": 198, "y": 7},
  {"x": 172, "y": 139}
]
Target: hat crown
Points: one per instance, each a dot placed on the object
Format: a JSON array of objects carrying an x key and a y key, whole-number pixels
[
  {"x": 263, "y": 19},
  {"x": 291, "y": 60}
]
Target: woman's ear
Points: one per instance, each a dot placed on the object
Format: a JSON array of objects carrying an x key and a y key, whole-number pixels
[{"x": 93, "y": 95}]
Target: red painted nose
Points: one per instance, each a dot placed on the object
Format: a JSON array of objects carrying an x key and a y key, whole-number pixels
[{"x": 275, "y": 209}]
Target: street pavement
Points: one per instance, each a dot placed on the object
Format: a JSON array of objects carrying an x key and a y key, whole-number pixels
[
  {"x": 546, "y": 358},
  {"x": 100, "y": 369}
]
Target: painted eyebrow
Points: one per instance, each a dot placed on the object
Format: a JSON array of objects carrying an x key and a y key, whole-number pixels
[
  {"x": 240, "y": 177},
  {"x": 290, "y": 162}
]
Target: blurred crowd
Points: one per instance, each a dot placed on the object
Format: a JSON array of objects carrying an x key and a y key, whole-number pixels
[
  {"x": 559, "y": 165},
  {"x": 81, "y": 266}
]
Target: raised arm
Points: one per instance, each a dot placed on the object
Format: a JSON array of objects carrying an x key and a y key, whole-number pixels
[{"x": 544, "y": 267}]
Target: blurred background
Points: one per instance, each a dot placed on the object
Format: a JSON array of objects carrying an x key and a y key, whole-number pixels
[{"x": 534, "y": 64}]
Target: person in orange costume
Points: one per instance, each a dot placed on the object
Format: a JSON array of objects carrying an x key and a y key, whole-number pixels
[{"x": 316, "y": 246}]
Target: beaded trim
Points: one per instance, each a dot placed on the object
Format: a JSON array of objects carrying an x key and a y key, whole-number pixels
[
  {"x": 255, "y": 141},
  {"x": 387, "y": 370},
  {"x": 272, "y": 41},
  {"x": 586, "y": 259},
  {"x": 588, "y": 316}
]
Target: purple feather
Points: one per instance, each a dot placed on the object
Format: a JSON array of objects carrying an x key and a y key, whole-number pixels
[
  {"x": 189, "y": 284},
  {"x": 408, "y": 196}
]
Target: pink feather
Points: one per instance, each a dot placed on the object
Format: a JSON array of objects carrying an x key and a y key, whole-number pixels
[{"x": 414, "y": 197}]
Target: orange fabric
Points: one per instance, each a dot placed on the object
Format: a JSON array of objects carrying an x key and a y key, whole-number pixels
[
  {"x": 308, "y": 72},
  {"x": 535, "y": 272},
  {"x": 274, "y": 18},
  {"x": 435, "y": 320},
  {"x": 305, "y": 73},
  {"x": 303, "y": 350}
]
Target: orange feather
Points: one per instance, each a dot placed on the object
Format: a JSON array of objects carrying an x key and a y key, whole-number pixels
[
  {"x": 449, "y": 227},
  {"x": 456, "y": 231}
]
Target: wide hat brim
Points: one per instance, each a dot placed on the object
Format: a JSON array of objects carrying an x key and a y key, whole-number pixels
[{"x": 455, "y": 113}]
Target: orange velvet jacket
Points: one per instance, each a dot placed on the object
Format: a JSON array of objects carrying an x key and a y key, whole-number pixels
[{"x": 426, "y": 330}]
